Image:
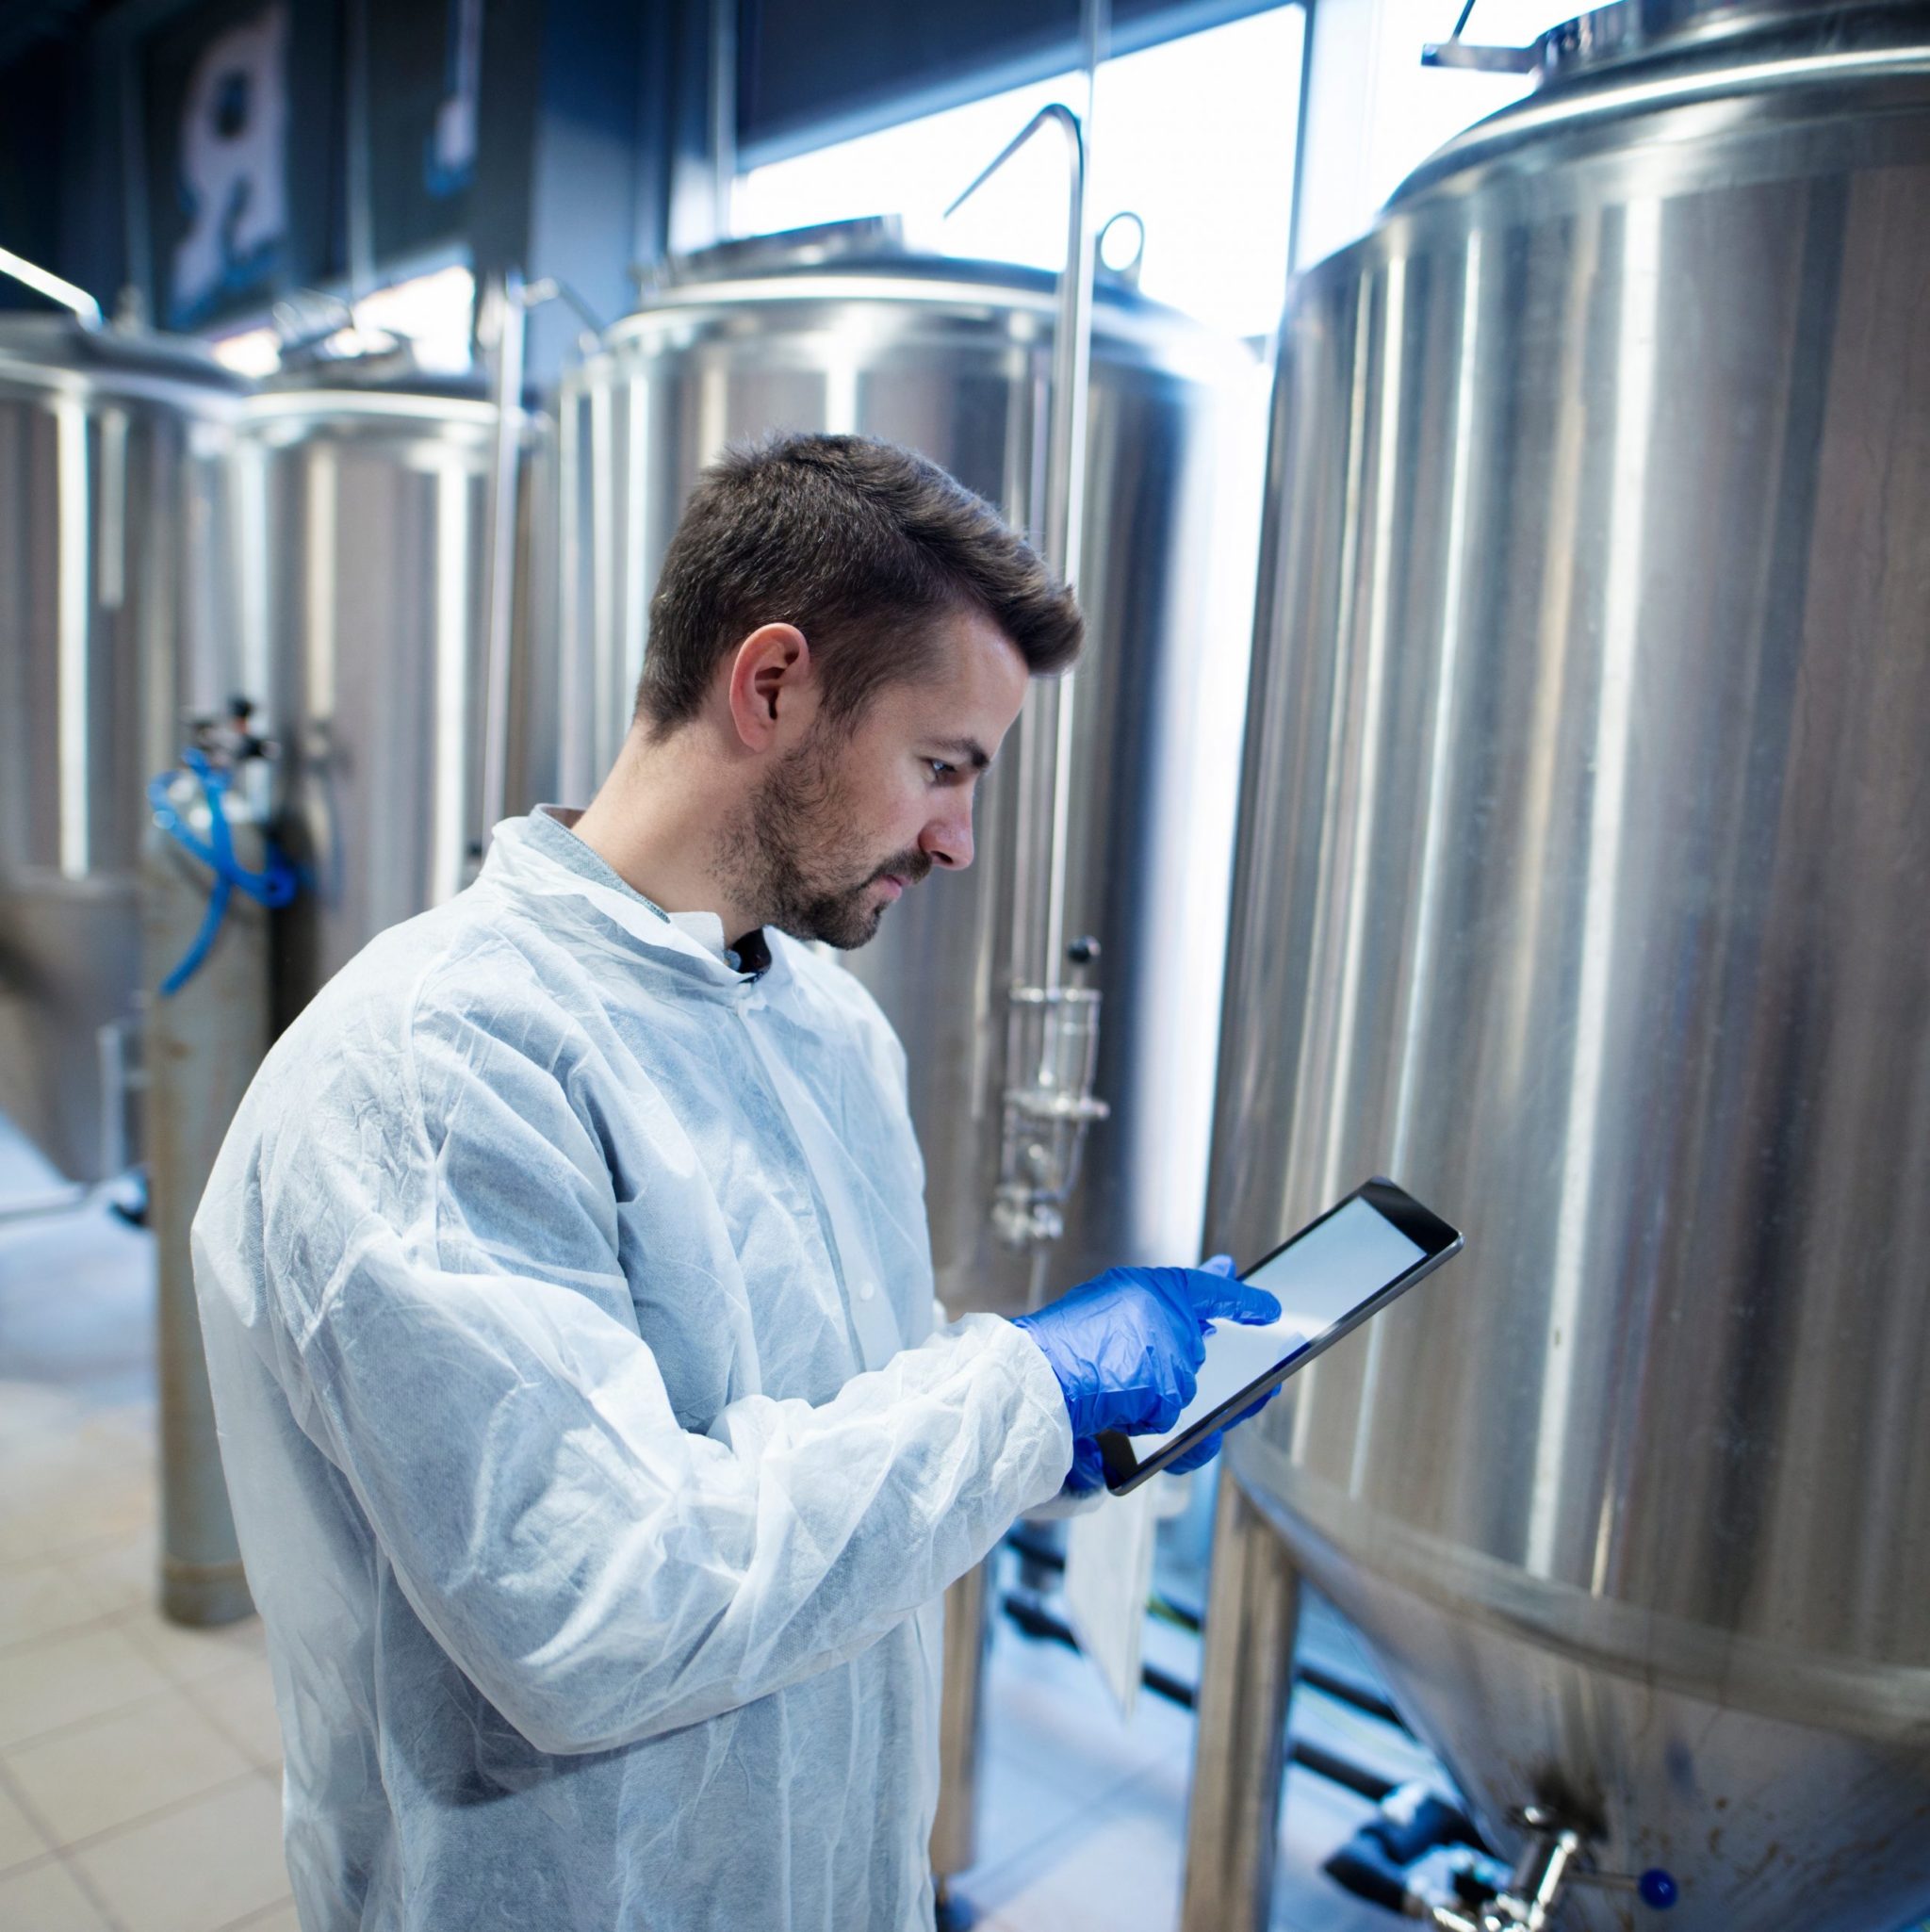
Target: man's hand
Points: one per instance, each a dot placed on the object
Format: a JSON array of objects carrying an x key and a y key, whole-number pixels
[{"x": 1127, "y": 1346}]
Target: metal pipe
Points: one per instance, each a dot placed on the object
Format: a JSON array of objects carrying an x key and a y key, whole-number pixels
[
  {"x": 1239, "y": 1747},
  {"x": 1049, "y": 1028},
  {"x": 510, "y": 306},
  {"x": 358, "y": 158},
  {"x": 86, "y": 310},
  {"x": 1355, "y": 1696},
  {"x": 1038, "y": 1622},
  {"x": 205, "y": 1042},
  {"x": 961, "y": 1721},
  {"x": 723, "y": 112}
]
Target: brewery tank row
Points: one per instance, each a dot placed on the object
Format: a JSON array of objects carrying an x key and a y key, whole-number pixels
[{"x": 1577, "y": 881}]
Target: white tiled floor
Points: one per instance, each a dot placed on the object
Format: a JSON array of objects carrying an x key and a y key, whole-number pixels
[
  {"x": 1083, "y": 1819},
  {"x": 140, "y": 1763}
]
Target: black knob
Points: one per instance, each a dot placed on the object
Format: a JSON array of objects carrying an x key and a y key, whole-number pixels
[{"x": 1083, "y": 952}]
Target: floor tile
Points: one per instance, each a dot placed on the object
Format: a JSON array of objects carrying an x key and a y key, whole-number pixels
[
  {"x": 1116, "y": 1867},
  {"x": 119, "y": 1574},
  {"x": 49, "y": 1509},
  {"x": 45, "y": 1898},
  {"x": 190, "y": 1870},
  {"x": 91, "y": 1777},
  {"x": 279, "y": 1918},
  {"x": 186, "y": 1653},
  {"x": 41, "y": 1600},
  {"x": 21, "y": 1839},
  {"x": 68, "y": 1679},
  {"x": 240, "y": 1700},
  {"x": 33, "y": 1413}
]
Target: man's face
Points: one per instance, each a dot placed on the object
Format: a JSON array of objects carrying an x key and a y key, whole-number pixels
[{"x": 857, "y": 815}]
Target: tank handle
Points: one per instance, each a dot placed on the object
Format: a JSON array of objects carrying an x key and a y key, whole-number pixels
[{"x": 1455, "y": 52}]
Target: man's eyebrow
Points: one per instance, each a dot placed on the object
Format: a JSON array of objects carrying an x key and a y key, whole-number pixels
[{"x": 969, "y": 749}]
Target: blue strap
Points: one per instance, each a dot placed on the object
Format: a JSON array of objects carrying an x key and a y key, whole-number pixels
[{"x": 273, "y": 885}]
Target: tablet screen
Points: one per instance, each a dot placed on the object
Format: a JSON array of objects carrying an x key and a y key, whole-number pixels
[{"x": 1318, "y": 1281}]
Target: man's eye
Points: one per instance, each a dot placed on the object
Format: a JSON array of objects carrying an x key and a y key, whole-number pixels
[{"x": 939, "y": 769}]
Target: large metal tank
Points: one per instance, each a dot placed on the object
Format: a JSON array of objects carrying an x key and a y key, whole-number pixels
[
  {"x": 1581, "y": 885},
  {"x": 953, "y": 359},
  {"x": 117, "y": 623},
  {"x": 367, "y": 493}
]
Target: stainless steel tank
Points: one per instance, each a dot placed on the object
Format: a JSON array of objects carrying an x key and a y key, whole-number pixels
[
  {"x": 1581, "y": 884},
  {"x": 117, "y": 623},
  {"x": 952, "y": 359},
  {"x": 367, "y": 492}
]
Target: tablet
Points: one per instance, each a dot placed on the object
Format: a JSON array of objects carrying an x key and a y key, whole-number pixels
[{"x": 1328, "y": 1280}]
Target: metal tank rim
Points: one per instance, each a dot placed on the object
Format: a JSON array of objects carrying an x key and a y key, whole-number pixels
[
  {"x": 1603, "y": 1633},
  {"x": 972, "y": 289},
  {"x": 275, "y": 405},
  {"x": 1720, "y": 72},
  {"x": 28, "y": 378}
]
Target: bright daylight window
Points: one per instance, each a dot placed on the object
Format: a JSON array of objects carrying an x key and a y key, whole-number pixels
[
  {"x": 1195, "y": 136},
  {"x": 1416, "y": 108}
]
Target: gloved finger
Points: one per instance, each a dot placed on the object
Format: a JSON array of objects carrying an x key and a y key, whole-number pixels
[
  {"x": 1199, "y": 1455},
  {"x": 1216, "y": 1295},
  {"x": 1218, "y": 1263}
]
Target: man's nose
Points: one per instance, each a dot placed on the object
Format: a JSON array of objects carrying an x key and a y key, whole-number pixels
[{"x": 947, "y": 840}]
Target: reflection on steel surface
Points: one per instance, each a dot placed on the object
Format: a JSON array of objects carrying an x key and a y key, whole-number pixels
[{"x": 1583, "y": 886}]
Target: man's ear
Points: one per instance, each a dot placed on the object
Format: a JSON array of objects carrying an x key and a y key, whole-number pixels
[{"x": 769, "y": 677}]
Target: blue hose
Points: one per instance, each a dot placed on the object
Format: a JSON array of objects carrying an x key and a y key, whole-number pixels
[{"x": 273, "y": 885}]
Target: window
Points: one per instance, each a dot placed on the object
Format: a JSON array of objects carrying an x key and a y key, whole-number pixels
[{"x": 1195, "y": 136}]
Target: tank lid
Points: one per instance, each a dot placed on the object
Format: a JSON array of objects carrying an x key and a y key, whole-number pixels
[
  {"x": 826, "y": 242},
  {"x": 1627, "y": 32},
  {"x": 59, "y": 343},
  {"x": 861, "y": 256}
]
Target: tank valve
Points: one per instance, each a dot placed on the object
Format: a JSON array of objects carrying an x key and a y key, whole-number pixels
[{"x": 1554, "y": 1860}]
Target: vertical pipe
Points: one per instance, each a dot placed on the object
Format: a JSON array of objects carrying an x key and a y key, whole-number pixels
[
  {"x": 358, "y": 160},
  {"x": 1239, "y": 1751},
  {"x": 1066, "y": 479},
  {"x": 204, "y": 1046},
  {"x": 73, "y": 698},
  {"x": 723, "y": 113},
  {"x": 500, "y": 615},
  {"x": 961, "y": 1721}
]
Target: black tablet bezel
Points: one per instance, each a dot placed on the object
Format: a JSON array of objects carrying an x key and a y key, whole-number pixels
[{"x": 1421, "y": 1225}]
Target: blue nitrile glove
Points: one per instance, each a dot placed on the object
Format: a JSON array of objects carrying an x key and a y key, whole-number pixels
[
  {"x": 1089, "y": 1466},
  {"x": 1208, "y": 1447},
  {"x": 1127, "y": 1346}
]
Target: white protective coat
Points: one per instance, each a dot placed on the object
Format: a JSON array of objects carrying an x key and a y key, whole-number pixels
[{"x": 568, "y": 1303}]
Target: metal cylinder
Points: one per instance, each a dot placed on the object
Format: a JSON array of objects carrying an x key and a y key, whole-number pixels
[
  {"x": 116, "y": 575},
  {"x": 368, "y": 490},
  {"x": 1239, "y": 1741},
  {"x": 1579, "y": 887},
  {"x": 962, "y": 1720},
  {"x": 203, "y": 1043}
]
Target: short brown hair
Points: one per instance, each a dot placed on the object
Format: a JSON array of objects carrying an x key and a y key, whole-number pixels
[{"x": 854, "y": 541}]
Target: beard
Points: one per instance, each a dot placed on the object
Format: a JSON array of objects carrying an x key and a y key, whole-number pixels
[{"x": 793, "y": 857}]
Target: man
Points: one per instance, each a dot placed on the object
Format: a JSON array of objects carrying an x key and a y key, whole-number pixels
[{"x": 567, "y": 1290}]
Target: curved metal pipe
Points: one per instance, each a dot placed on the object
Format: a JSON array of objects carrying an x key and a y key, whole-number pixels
[{"x": 86, "y": 310}]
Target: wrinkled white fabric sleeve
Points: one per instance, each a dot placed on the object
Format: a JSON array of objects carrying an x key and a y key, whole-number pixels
[{"x": 599, "y": 1572}]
